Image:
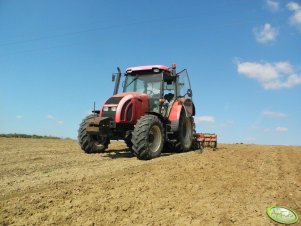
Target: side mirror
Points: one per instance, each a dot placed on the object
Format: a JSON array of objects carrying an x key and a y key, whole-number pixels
[
  {"x": 189, "y": 92},
  {"x": 113, "y": 77}
]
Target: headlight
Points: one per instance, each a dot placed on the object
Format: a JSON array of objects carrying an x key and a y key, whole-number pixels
[
  {"x": 114, "y": 108},
  {"x": 105, "y": 108}
]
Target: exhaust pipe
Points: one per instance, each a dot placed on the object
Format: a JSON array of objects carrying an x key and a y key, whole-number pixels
[{"x": 117, "y": 81}]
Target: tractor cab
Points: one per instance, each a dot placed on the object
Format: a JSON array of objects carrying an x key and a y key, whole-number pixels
[{"x": 161, "y": 84}]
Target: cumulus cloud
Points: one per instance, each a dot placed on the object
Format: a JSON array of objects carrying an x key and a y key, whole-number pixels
[
  {"x": 272, "y": 5},
  {"x": 265, "y": 34},
  {"x": 295, "y": 19},
  {"x": 273, "y": 114},
  {"x": 60, "y": 122},
  {"x": 277, "y": 75},
  {"x": 204, "y": 119},
  {"x": 281, "y": 129},
  {"x": 278, "y": 129},
  {"x": 50, "y": 117}
]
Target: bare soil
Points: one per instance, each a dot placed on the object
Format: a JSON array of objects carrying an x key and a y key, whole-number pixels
[{"x": 52, "y": 182}]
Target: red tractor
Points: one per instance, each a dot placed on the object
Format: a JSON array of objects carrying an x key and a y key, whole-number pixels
[{"x": 153, "y": 112}]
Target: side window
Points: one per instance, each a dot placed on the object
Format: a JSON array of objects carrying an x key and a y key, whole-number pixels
[{"x": 183, "y": 84}]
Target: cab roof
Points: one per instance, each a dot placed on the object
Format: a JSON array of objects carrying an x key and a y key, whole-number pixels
[{"x": 147, "y": 68}]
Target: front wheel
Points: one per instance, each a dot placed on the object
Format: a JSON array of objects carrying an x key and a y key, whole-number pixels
[
  {"x": 91, "y": 143},
  {"x": 148, "y": 137},
  {"x": 128, "y": 143}
]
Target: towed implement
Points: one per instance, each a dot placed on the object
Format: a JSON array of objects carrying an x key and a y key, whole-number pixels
[{"x": 202, "y": 140}]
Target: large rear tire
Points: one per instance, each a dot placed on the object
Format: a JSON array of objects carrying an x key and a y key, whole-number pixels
[
  {"x": 91, "y": 143},
  {"x": 148, "y": 137},
  {"x": 185, "y": 134}
]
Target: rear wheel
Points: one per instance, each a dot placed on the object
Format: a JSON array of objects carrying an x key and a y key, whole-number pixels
[
  {"x": 148, "y": 137},
  {"x": 184, "y": 135},
  {"x": 91, "y": 143},
  {"x": 185, "y": 132}
]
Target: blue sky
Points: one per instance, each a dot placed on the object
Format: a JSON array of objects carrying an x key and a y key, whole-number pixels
[{"x": 243, "y": 58}]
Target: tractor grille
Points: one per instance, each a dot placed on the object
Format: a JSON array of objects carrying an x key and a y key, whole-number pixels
[{"x": 109, "y": 113}]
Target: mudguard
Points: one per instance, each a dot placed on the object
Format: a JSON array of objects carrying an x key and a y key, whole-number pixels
[{"x": 175, "y": 112}]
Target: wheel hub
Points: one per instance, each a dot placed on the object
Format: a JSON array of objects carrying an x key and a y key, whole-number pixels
[{"x": 154, "y": 138}]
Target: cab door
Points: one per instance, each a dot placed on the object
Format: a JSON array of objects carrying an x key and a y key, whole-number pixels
[{"x": 184, "y": 92}]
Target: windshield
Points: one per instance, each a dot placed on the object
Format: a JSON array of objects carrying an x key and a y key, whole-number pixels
[{"x": 145, "y": 83}]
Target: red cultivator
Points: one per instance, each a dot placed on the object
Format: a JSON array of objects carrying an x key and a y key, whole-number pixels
[{"x": 202, "y": 140}]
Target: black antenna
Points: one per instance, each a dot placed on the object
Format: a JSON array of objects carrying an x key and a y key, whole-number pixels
[{"x": 96, "y": 112}]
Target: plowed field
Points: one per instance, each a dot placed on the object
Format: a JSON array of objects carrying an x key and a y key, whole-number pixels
[{"x": 52, "y": 182}]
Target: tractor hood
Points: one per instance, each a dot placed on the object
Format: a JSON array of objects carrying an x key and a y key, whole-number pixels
[
  {"x": 116, "y": 99},
  {"x": 126, "y": 107},
  {"x": 133, "y": 94}
]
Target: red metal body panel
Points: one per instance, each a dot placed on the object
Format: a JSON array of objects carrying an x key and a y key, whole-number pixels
[
  {"x": 175, "y": 111},
  {"x": 148, "y": 67},
  {"x": 138, "y": 101},
  {"x": 200, "y": 136},
  {"x": 177, "y": 107},
  {"x": 206, "y": 137}
]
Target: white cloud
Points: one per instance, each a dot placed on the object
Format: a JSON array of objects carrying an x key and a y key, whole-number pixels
[
  {"x": 278, "y": 129},
  {"x": 293, "y": 6},
  {"x": 270, "y": 75},
  {"x": 295, "y": 19},
  {"x": 60, "y": 122},
  {"x": 19, "y": 117},
  {"x": 272, "y": 5},
  {"x": 204, "y": 119},
  {"x": 265, "y": 34},
  {"x": 50, "y": 117},
  {"x": 273, "y": 114},
  {"x": 281, "y": 129}
]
